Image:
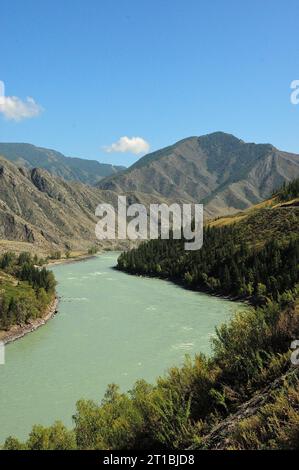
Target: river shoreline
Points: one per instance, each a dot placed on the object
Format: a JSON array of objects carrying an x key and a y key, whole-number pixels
[
  {"x": 18, "y": 332},
  {"x": 69, "y": 260},
  {"x": 111, "y": 328},
  {"x": 232, "y": 298}
]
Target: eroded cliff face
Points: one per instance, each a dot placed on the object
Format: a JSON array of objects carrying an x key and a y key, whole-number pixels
[
  {"x": 51, "y": 213},
  {"x": 37, "y": 208}
]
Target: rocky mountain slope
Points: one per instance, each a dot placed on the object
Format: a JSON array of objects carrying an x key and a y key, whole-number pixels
[
  {"x": 223, "y": 172},
  {"x": 43, "y": 212},
  {"x": 46, "y": 211},
  {"x": 71, "y": 169}
]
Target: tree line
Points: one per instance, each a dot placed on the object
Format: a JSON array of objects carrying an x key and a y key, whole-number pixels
[
  {"x": 226, "y": 264},
  {"x": 288, "y": 191}
]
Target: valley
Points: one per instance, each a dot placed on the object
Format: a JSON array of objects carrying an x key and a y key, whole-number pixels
[
  {"x": 149, "y": 232},
  {"x": 190, "y": 385}
]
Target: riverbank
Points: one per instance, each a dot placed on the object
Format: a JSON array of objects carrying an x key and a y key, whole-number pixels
[
  {"x": 69, "y": 260},
  {"x": 18, "y": 331},
  {"x": 111, "y": 328},
  {"x": 177, "y": 282}
]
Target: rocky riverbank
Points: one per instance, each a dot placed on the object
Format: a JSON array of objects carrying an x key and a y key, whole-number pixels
[{"x": 18, "y": 331}]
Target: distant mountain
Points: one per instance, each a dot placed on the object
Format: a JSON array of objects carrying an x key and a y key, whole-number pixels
[
  {"x": 40, "y": 212},
  {"x": 68, "y": 168},
  {"x": 220, "y": 170}
]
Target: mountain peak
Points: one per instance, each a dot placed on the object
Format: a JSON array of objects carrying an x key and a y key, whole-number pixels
[
  {"x": 219, "y": 169},
  {"x": 224, "y": 138},
  {"x": 220, "y": 136},
  {"x": 220, "y": 139}
]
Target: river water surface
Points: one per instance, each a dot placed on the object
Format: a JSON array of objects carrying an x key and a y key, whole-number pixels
[{"x": 111, "y": 327}]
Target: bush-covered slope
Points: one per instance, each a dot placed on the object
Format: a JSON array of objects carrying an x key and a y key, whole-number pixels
[{"x": 244, "y": 396}]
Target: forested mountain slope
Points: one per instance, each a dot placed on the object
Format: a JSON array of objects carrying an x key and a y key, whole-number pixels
[{"x": 247, "y": 255}]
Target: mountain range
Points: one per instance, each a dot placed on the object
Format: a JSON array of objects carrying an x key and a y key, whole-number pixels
[
  {"x": 68, "y": 168},
  {"x": 48, "y": 201},
  {"x": 42, "y": 212}
]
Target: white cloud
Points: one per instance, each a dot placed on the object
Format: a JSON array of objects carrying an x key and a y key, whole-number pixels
[
  {"x": 15, "y": 109},
  {"x": 134, "y": 145}
]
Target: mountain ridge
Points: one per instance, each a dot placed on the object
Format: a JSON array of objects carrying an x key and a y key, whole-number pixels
[
  {"x": 70, "y": 168},
  {"x": 42, "y": 212},
  {"x": 218, "y": 169}
]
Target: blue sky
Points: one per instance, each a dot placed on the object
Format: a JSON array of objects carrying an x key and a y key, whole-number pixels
[{"x": 160, "y": 70}]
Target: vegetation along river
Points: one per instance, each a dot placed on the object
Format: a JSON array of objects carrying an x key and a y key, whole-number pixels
[{"x": 111, "y": 327}]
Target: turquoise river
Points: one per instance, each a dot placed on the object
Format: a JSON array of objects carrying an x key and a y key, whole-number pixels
[{"x": 111, "y": 327}]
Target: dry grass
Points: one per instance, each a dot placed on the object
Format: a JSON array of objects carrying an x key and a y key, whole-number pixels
[
  {"x": 232, "y": 219},
  {"x": 20, "y": 247},
  {"x": 227, "y": 220}
]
